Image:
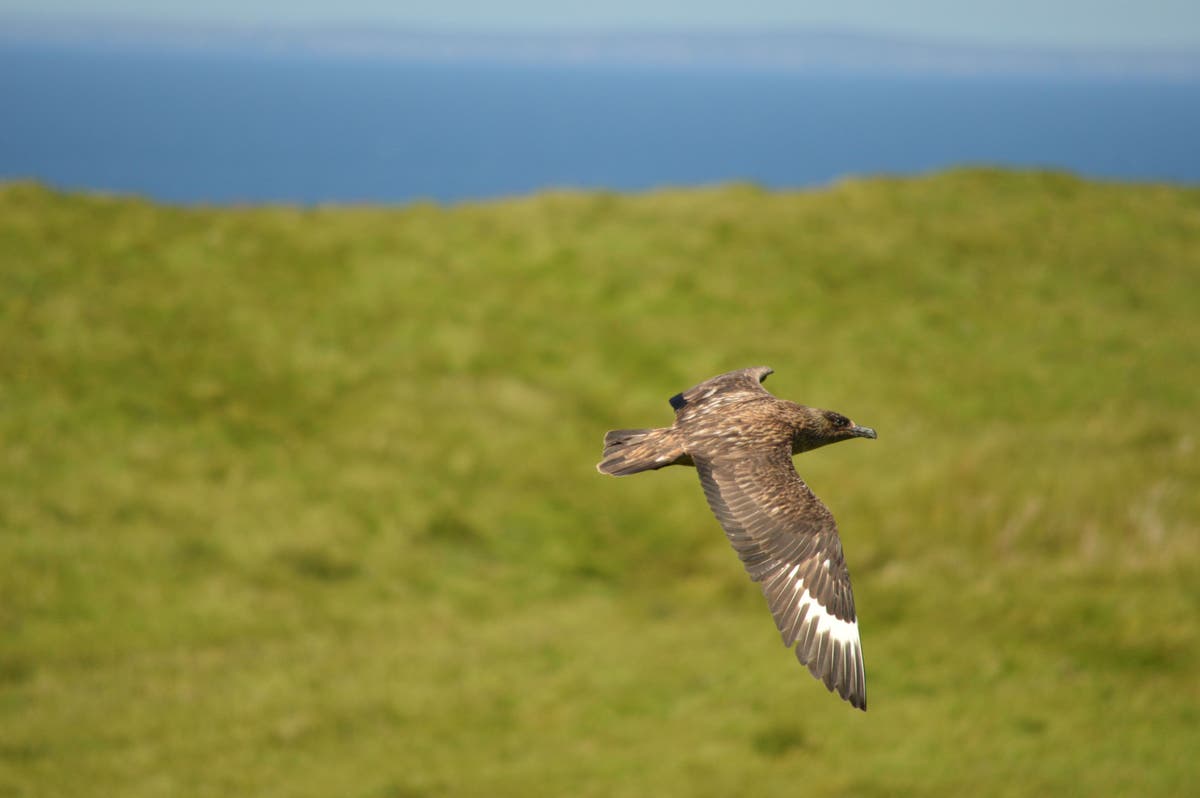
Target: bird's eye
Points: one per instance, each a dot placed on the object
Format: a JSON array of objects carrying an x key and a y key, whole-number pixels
[{"x": 838, "y": 420}]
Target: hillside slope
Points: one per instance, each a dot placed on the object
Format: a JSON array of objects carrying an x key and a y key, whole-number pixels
[{"x": 302, "y": 501}]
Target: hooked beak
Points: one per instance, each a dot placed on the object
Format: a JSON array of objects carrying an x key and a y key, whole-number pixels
[{"x": 862, "y": 432}]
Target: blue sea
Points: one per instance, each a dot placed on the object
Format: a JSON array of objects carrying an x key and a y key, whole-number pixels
[{"x": 221, "y": 128}]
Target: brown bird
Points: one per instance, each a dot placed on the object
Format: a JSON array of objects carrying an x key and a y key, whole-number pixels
[{"x": 741, "y": 439}]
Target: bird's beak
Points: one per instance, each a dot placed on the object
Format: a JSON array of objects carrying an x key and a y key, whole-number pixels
[{"x": 862, "y": 432}]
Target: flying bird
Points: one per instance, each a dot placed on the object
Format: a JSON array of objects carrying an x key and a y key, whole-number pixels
[{"x": 741, "y": 440}]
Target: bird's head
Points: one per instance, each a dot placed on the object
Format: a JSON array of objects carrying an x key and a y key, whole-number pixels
[{"x": 815, "y": 428}]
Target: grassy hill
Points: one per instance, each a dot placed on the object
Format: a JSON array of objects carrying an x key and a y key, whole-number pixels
[{"x": 301, "y": 502}]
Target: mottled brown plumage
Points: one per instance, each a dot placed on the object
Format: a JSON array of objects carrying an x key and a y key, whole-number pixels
[{"x": 741, "y": 440}]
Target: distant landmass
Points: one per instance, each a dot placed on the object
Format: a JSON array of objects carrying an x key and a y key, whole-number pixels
[{"x": 810, "y": 51}]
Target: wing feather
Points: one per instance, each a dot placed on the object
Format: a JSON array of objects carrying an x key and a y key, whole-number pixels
[
  {"x": 788, "y": 542},
  {"x": 744, "y": 382}
]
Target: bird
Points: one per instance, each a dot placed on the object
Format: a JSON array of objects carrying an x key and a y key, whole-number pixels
[{"x": 741, "y": 440}]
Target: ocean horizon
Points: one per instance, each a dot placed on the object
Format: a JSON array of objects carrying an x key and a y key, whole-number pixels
[{"x": 226, "y": 127}]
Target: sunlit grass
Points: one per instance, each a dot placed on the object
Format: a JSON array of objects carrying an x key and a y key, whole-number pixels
[{"x": 302, "y": 502}]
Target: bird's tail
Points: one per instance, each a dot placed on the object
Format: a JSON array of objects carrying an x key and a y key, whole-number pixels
[{"x": 628, "y": 451}]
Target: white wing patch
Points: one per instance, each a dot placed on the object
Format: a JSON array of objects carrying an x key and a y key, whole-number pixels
[{"x": 846, "y": 632}]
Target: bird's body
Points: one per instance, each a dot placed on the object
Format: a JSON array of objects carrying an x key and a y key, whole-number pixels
[{"x": 741, "y": 440}]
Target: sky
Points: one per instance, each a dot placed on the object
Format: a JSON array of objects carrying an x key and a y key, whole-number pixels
[{"x": 1125, "y": 24}]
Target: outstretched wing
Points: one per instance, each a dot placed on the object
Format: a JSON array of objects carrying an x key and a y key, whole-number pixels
[
  {"x": 788, "y": 541},
  {"x": 732, "y": 385}
]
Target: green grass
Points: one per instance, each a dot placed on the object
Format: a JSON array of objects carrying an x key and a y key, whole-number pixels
[{"x": 302, "y": 502}]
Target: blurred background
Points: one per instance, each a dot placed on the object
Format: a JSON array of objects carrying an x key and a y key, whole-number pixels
[
  {"x": 313, "y": 317},
  {"x": 318, "y": 102}
]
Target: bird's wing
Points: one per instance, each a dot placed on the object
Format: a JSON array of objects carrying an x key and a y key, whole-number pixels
[
  {"x": 788, "y": 541},
  {"x": 731, "y": 385}
]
